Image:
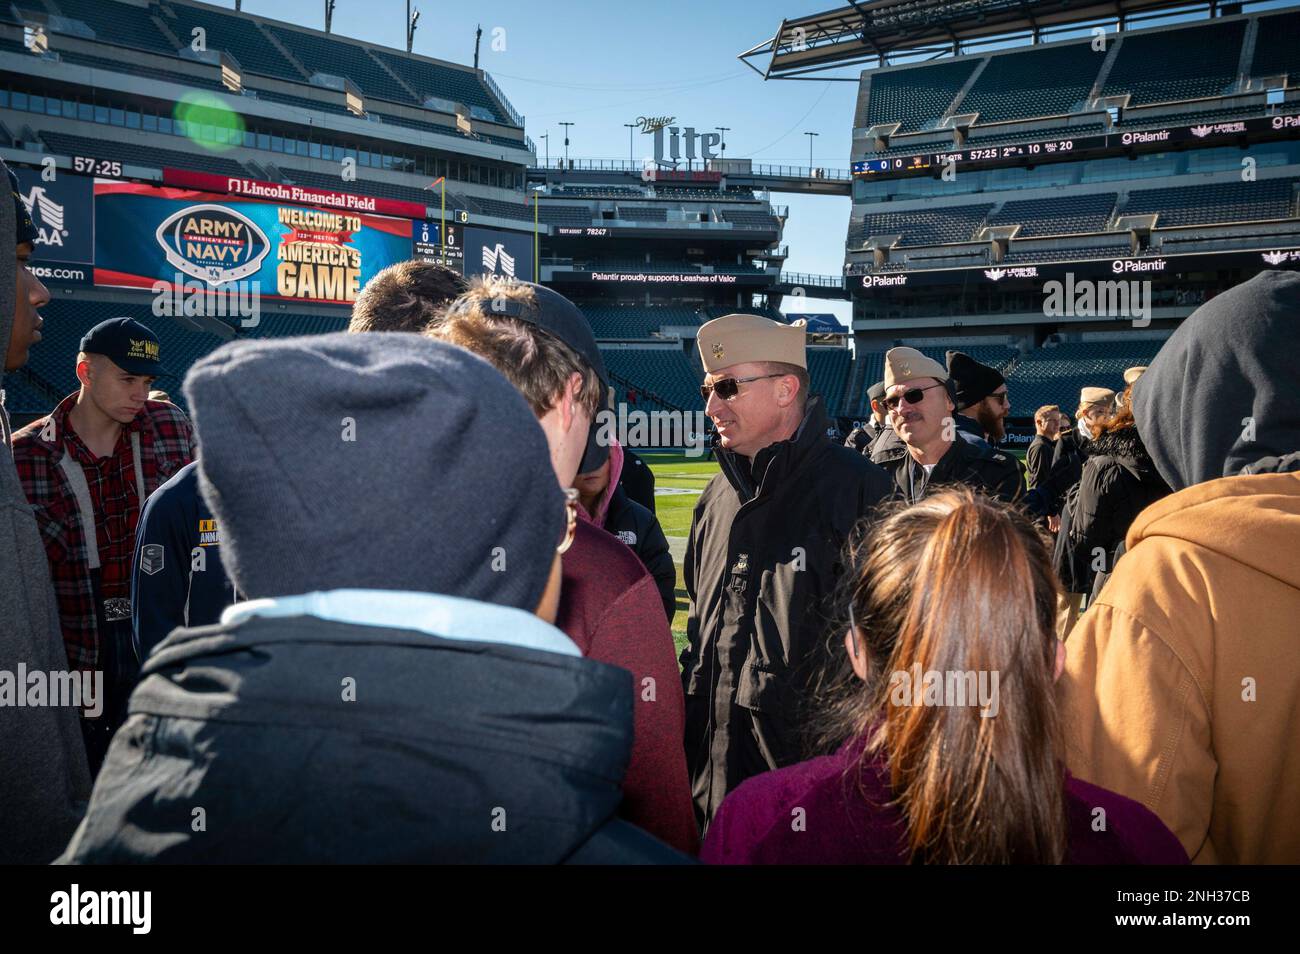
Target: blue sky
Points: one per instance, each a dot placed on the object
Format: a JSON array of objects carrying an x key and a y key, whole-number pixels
[{"x": 602, "y": 64}]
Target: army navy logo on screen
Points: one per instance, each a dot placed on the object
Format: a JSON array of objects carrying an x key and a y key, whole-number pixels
[
  {"x": 213, "y": 243},
  {"x": 151, "y": 558}
]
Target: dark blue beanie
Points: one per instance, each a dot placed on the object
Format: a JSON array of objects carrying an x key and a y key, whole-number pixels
[{"x": 388, "y": 461}]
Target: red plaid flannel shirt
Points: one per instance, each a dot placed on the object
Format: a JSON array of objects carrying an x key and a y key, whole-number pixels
[{"x": 166, "y": 445}]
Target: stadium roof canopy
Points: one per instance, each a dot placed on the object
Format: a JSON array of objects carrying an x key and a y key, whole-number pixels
[{"x": 877, "y": 29}]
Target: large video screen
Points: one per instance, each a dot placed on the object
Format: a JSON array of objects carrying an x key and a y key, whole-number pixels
[{"x": 146, "y": 234}]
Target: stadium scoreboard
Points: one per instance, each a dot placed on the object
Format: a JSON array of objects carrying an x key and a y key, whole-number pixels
[{"x": 1064, "y": 146}]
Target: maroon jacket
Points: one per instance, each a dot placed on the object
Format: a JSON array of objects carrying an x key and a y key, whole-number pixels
[
  {"x": 816, "y": 813},
  {"x": 610, "y": 607}
]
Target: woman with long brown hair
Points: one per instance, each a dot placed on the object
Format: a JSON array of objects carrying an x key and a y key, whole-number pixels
[{"x": 946, "y": 713}]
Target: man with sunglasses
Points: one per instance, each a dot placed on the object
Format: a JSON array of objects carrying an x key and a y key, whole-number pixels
[
  {"x": 919, "y": 397},
  {"x": 762, "y": 557}
]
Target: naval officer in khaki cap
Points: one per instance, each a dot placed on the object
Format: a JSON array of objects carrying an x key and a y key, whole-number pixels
[
  {"x": 920, "y": 401},
  {"x": 761, "y": 560}
]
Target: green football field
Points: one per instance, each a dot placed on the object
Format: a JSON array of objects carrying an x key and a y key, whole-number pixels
[{"x": 678, "y": 483}]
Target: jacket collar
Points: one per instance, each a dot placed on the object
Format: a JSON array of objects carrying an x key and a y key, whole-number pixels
[
  {"x": 449, "y": 617},
  {"x": 770, "y": 465}
]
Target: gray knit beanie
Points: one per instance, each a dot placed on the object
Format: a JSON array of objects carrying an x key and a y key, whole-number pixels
[{"x": 391, "y": 462}]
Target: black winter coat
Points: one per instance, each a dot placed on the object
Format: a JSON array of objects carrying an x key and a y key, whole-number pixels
[
  {"x": 1118, "y": 482},
  {"x": 639, "y": 529},
  {"x": 1067, "y": 467},
  {"x": 1038, "y": 460},
  {"x": 761, "y": 564},
  {"x": 450, "y": 751},
  {"x": 637, "y": 480},
  {"x": 977, "y": 465}
]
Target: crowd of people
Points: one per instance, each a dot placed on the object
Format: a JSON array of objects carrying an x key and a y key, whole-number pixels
[{"x": 386, "y": 595}]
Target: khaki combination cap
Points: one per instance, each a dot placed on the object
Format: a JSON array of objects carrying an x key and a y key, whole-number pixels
[
  {"x": 740, "y": 339},
  {"x": 908, "y": 364},
  {"x": 1132, "y": 374},
  {"x": 1096, "y": 396}
]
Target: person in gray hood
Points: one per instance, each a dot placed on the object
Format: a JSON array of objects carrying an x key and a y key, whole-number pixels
[
  {"x": 393, "y": 690},
  {"x": 44, "y": 780}
]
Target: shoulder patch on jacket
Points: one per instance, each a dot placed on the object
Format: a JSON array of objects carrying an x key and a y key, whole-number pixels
[{"x": 151, "y": 558}]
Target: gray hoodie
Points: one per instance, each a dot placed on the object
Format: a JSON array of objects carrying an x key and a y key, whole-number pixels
[{"x": 44, "y": 781}]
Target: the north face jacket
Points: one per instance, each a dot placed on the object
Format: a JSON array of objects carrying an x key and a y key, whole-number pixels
[
  {"x": 166, "y": 441},
  {"x": 762, "y": 561}
]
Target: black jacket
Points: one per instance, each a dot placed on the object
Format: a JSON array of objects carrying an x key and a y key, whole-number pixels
[
  {"x": 1067, "y": 467},
  {"x": 761, "y": 563},
  {"x": 637, "y": 480},
  {"x": 966, "y": 462},
  {"x": 639, "y": 529},
  {"x": 177, "y": 578},
  {"x": 1119, "y": 481},
  {"x": 1038, "y": 459},
  {"x": 444, "y": 742}
]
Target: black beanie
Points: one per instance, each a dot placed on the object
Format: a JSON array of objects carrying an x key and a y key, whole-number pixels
[
  {"x": 971, "y": 381},
  {"x": 390, "y": 462}
]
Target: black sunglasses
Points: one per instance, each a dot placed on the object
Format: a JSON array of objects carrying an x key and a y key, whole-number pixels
[
  {"x": 728, "y": 388},
  {"x": 911, "y": 395}
]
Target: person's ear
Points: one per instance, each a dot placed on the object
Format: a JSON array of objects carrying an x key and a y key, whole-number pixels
[
  {"x": 84, "y": 372},
  {"x": 569, "y": 401},
  {"x": 857, "y": 658},
  {"x": 1058, "y": 666}
]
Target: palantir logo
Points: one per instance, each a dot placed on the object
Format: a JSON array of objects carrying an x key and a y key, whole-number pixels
[
  {"x": 213, "y": 243},
  {"x": 47, "y": 216},
  {"x": 492, "y": 257}
]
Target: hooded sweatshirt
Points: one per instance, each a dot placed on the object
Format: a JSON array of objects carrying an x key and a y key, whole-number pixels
[
  {"x": 44, "y": 780},
  {"x": 618, "y": 514},
  {"x": 1180, "y": 681}
]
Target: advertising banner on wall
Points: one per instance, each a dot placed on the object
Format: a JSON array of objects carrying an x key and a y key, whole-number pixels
[
  {"x": 494, "y": 252},
  {"x": 147, "y": 234},
  {"x": 63, "y": 211}
]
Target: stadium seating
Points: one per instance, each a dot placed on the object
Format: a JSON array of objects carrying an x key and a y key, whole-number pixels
[
  {"x": 1277, "y": 47},
  {"x": 937, "y": 226},
  {"x": 609, "y": 321},
  {"x": 1172, "y": 65},
  {"x": 67, "y": 320},
  {"x": 916, "y": 97},
  {"x": 748, "y": 220},
  {"x": 661, "y": 373},
  {"x": 120, "y": 23},
  {"x": 238, "y": 35},
  {"x": 1055, "y": 375},
  {"x": 148, "y": 156},
  {"x": 504, "y": 210},
  {"x": 828, "y": 372},
  {"x": 1035, "y": 82},
  {"x": 445, "y": 82},
  {"x": 1220, "y": 202},
  {"x": 1017, "y": 256},
  {"x": 642, "y": 213},
  {"x": 365, "y": 186},
  {"x": 340, "y": 58},
  {"x": 574, "y": 215},
  {"x": 1057, "y": 216},
  {"x": 600, "y": 192},
  {"x": 138, "y": 69}
]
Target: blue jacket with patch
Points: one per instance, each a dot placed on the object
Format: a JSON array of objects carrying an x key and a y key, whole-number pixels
[{"x": 176, "y": 576}]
